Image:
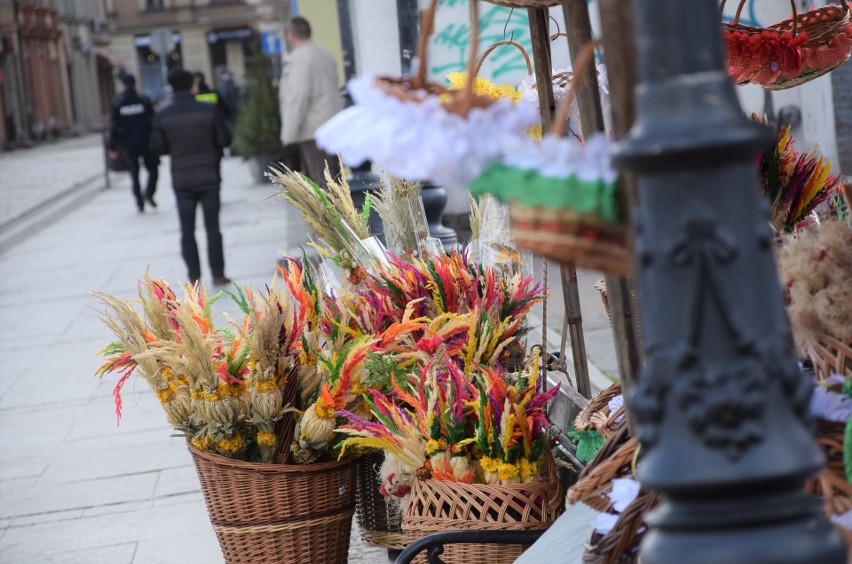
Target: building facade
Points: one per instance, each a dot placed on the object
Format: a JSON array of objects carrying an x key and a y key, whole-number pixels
[
  {"x": 207, "y": 35},
  {"x": 50, "y": 84}
]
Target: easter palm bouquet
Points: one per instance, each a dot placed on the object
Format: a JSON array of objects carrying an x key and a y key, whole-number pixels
[
  {"x": 331, "y": 216},
  {"x": 227, "y": 389}
]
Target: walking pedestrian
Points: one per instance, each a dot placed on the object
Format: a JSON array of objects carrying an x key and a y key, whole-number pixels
[
  {"x": 203, "y": 93},
  {"x": 195, "y": 135},
  {"x": 309, "y": 94},
  {"x": 229, "y": 95},
  {"x": 130, "y": 124}
]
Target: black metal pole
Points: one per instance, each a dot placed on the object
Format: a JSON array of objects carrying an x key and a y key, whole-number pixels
[{"x": 721, "y": 407}]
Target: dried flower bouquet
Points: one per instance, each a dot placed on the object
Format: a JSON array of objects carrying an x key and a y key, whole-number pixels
[{"x": 225, "y": 389}]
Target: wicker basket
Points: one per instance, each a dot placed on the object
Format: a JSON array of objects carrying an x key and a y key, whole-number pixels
[
  {"x": 821, "y": 26},
  {"x": 564, "y": 234},
  {"x": 620, "y": 545},
  {"x": 524, "y": 3},
  {"x": 379, "y": 524},
  {"x": 614, "y": 460},
  {"x": 830, "y": 356},
  {"x": 596, "y": 414},
  {"x": 555, "y": 235},
  {"x": 272, "y": 513},
  {"x": 438, "y": 506},
  {"x": 831, "y": 484}
]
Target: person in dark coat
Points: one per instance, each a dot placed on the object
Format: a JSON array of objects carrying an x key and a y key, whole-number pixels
[
  {"x": 130, "y": 125},
  {"x": 229, "y": 95},
  {"x": 203, "y": 93},
  {"x": 194, "y": 134}
]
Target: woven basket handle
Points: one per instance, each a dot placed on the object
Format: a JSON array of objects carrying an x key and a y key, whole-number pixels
[
  {"x": 585, "y": 58},
  {"x": 427, "y": 27},
  {"x": 467, "y": 94},
  {"x": 792, "y": 5},
  {"x": 491, "y": 49}
]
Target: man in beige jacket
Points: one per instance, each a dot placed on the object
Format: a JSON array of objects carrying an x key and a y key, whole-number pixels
[{"x": 310, "y": 95}]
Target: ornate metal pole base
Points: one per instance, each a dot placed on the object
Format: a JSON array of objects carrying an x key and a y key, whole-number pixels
[{"x": 720, "y": 408}]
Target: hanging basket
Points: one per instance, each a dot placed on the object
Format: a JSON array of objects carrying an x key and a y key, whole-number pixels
[
  {"x": 789, "y": 53},
  {"x": 830, "y": 356},
  {"x": 439, "y": 135},
  {"x": 563, "y": 199},
  {"x": 379, "y": 523},
  {"x": 438, "y": 506},
  {"x": 272, "y": 513},
  {"x": 524, "y": 3},
  {"x": 563, "y": 236}
]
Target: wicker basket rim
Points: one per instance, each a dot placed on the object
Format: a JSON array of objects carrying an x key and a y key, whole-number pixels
[
  {"x": 799, "y": 20},
  {"x": 598, "y": 403},
  {"x": 268, "y": 468},
  {"x": 524, "y": 3}
]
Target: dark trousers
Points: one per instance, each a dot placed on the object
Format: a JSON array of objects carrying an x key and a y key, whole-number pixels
[
  {"x": 187, "y": 202},
  {"x": 314, "y": 160},
  {"x": 131, "y": 157}
]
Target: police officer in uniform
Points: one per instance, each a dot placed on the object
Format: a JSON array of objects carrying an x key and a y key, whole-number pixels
[{"x": 130, "y": 126}]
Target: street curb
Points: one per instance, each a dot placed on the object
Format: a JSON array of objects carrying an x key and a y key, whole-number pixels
[{"x": 30, "y": 221}]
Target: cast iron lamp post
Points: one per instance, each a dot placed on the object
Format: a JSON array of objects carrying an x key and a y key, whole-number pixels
[{"x": 721, "y": 408}]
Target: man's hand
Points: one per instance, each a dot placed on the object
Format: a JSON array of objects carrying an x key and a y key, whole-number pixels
[{"x": 112, "y": 154}]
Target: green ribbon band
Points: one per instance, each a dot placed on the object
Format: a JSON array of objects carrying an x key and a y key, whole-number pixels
[{"x": 526, "y": 186}]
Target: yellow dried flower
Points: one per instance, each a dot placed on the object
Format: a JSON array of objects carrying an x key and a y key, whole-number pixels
[
  {"x": 166, "y": 394},
  {"x": 265, "y": 385},
  {"x": 433, "y": 446},
  {"x": 234, "y": 444},
  {"x": 266, "y": 439},
  {"x": 200, "y": 443},
  {"x": 489, "y": 464},
  {"x": 507, "y": 471},
  {"x": 324, "y": 411},
  {"x": 484, "y": 87},
  {"x": 535, "y": 469},
  {"x": 524, "y": 468}
]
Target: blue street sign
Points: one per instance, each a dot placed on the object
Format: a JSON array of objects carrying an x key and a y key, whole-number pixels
[{"x": 270, "y": 43}]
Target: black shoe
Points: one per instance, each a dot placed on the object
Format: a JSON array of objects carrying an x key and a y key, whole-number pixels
[
  {"x": 140, "y": 206},
  {"x": 150, "y": 200},
  {"x": 221, "y": 280}
]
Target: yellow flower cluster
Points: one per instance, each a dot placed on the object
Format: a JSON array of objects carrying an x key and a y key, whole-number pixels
[
  {"x": 324, "y": 411},
  {"x": 433, "y": 446},
  {"x": 528, "y": 469},
  {"x": 507, "y": 471},
  {"x": 484, "y": 87},
  {"x": 234, "y": 444},
  {"x": 202, "y": 394},
  {"x": 200, "y": 443},
  {"x": 357, "y": 388},
  {"x": 166, "y": 394},
  {"x": 266, "y": 439},
  {"x": 489, "y": 464},
  {"x": 265, "y": 386}
]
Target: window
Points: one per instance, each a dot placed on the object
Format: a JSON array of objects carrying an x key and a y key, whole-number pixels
[{"x": 154, "y": 4}]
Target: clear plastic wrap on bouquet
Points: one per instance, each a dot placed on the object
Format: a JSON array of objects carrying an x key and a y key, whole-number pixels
[{"x": 492, "y": 244}]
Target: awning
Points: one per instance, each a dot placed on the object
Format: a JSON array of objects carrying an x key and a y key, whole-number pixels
[{"x": 106, "y": 60}]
